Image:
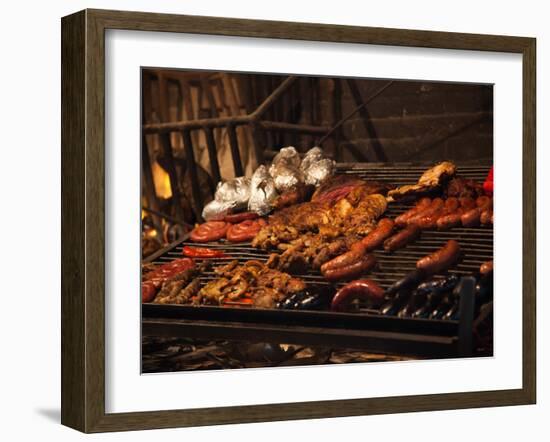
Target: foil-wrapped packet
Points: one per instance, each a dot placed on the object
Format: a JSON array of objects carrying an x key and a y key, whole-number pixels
[
  {"x": 216, "y": 210},
  {"x": 287, "y": 156},
  {"x": 312, "y": 156},
  {"x": 286, "y": 178},
  {"x": 319, "y": 172},
  {"x": 262, "y": 192},
  {"x": 316, "y": 167},
  {"x": 230, "y": 196},
  {"x": 285, "y": 169}
]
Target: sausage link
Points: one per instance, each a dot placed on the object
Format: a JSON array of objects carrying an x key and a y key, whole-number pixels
[
  {"x": 435, "y": 206},
  {"x": 471, "y": 218},
  {"x": 363, "y": 265},
  {"x": 382, "y": 231},
  {"x": 428, "y": 222},
  {"x": 451, "y": 205},
  {"x": 441, "y": 259},
  {"x": 355, "y": 253},
  {"x": 484, "y": 201},
  {"x": 486, "y": 216},
  {"x": 467, "y": 203},
  {"x": 148, "y": 291},
  {"x": 422, "y": 204},
  {"x": 402, "y": 238},
  {"x": 486, "y": 267},
  {"x": 449, "y": 221},
  {"x": 361, "y": 289}
]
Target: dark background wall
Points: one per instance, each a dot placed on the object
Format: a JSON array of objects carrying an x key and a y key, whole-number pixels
[{"x": 423, "y": 121}]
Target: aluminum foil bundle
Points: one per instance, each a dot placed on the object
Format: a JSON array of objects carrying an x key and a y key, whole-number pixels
[
  {"x": 287, "y": 156},
  {"x": 262, "y": 192},
  {"x": 316, "y": 167},
  {"x": 312, "y": 156},
  {"x": 230, "y": 196},
  {"x": 285, "y": 169}
]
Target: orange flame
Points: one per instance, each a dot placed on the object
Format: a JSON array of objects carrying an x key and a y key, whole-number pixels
[{"x": 162, "y": 181}]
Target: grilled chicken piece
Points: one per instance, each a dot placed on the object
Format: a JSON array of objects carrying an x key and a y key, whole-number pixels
[
  {"x": 430, "y": 180},
  {"x": 355, "y": 214}
]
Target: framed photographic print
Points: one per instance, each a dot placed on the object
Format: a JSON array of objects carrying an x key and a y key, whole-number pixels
[{"x": 267, "y": 221}]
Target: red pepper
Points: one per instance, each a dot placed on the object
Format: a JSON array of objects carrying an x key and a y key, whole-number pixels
[
  {"x": 202, "y": 252},
  {"x": 488, "y": 185}
]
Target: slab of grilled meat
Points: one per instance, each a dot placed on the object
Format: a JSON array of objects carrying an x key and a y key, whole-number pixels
[
  {"x": 339, "y": 186},
  {"x": 429, "y": 181},
  {"x": 251, "y": 283},
  {"x": 354, "y": 214}
]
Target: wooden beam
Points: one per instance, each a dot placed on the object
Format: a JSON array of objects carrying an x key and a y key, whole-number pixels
[
  {"x": 291, "y": 127},
  {"x": 212, "y": 154},
  {"x": 197, "y": 202},
  {"x": 235, "y": 154},
  {"x": 195, "y": 124}
]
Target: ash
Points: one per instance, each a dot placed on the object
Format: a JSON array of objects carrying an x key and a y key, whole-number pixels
[{"x": 177, "y": 354}]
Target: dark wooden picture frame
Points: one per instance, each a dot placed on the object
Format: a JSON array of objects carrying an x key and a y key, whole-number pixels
[{"x": 83, "y": 220}]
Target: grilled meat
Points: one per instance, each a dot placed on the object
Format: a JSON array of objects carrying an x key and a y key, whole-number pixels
[
  {"x": 430, "y": 180},
  {"x": 356, "y": 214},
  {"x": 155, "y": 276},
  {"x": 252, "y": 282},
  {"x": 338, "y": 186},
  {"x": 463, "y": 188},
  {"x": 299, "y": 194},
  {"x": 179, "y": 292},
  {"x": 180, "y": 288},
  {"x": 308, "y": 251}
]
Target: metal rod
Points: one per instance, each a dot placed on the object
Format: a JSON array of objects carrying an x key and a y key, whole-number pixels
[{"x": 292, "y": 127}]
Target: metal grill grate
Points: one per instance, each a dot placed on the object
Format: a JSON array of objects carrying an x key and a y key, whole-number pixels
[{"x": 476, "y": 243}]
